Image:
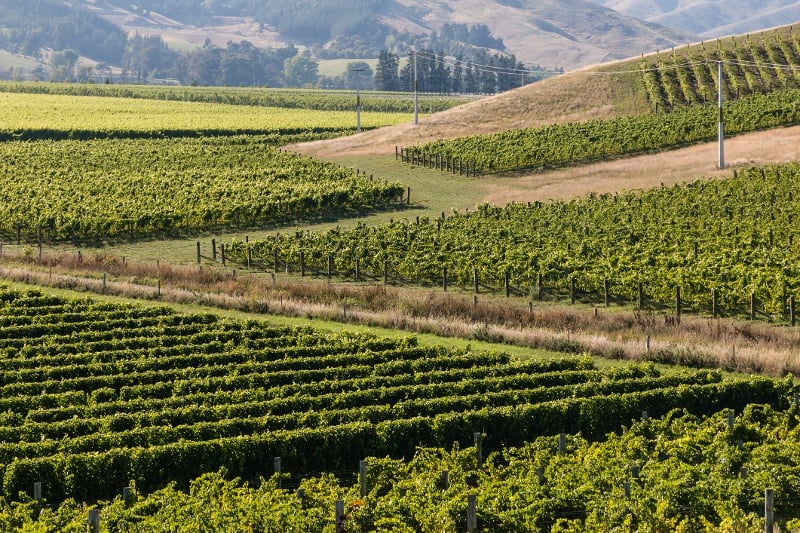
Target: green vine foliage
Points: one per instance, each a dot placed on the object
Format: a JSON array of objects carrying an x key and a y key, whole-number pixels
[
  {"x": 96, "y": 395},
  {"x": 736, "y": 236},
  {"x": 678, "y": 473},
  {"x": 139, "y": 187}
]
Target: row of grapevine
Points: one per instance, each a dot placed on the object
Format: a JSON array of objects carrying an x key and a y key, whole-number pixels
[
  {"x": 307, "y": 99},
  {"x": 58, "y": 117},
  {"x": 84, "y": 423},
  {"x": 676, "y": 473},
  {"x": 734, "y": 236},
  {"x": 752, "y": 64},
  {"x": 561, "y": 144},
  {"x": 103, "y": 188}
]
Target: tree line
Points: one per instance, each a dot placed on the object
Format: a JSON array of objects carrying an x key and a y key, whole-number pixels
[{"x": 482, "y": 72}]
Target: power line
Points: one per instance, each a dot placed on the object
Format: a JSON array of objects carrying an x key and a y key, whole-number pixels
[{"x": 492, "y": 69}]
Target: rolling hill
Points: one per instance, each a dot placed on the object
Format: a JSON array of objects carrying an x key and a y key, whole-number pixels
[
  {"x": 711, "y": 18},
  {"x": 552, "y": 33}
]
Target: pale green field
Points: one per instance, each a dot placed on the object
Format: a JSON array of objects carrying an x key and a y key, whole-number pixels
[
  {"x": 39, "y": 111},
  {"x": 9, "y": 61}
]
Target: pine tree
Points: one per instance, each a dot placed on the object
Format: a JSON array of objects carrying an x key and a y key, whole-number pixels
[{"x": 386, "y": 76}]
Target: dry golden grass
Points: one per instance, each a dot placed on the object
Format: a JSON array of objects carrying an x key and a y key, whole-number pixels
[{"x": 571, "y": 97}]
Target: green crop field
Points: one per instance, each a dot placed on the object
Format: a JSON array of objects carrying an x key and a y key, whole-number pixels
[
  {"x": 95, "y": 395},
  {"x": 679, "y": 473},
  {"x": 105, "y": 188},
  {"x": 310, "y": 99},
  {"x": 733, "y": 236},
  {"x": 60, "y": 116}
]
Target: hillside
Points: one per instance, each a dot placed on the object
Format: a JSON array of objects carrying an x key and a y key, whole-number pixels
[
  {"x": 595, "y": 93},
  {"x": 711, "y": 18},
  {"x": 672, "y": 79},
  {"x": 576, "y": 96},
  {"x": 555, "y": 33}
]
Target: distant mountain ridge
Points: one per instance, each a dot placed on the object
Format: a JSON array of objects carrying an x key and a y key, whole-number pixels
[
  {"x": 553, "y": 33},
  {"x": 711, "y": 18}
]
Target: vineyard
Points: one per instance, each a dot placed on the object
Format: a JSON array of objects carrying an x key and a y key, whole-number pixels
[
  {"x": 679, "y": 473},
  {"x": 308, "y": 99},
  {"x": 44, "y": 116},
  {"x": 95, "y": 395},
  {"x": 173, "y": 421},
  {"x": 752, "y": 64},
  {"x": 731, "y": 239},
  {"x": 760, "y": 84},
  {"x": 56, "y": 190},
  {"x": 562, "y": 144}
]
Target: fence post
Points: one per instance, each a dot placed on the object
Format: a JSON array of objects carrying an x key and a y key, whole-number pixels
[
  {"x": 339, "y": 511},
  {"x": 222, "y": 252},
  {"x": 37, "y": 491},
  {"x": 214, "y": 250},
  {"x": 276, "y": 465},
  {"x": 330, "y": 266},
  {"x": 714, "y": 303},
  {"x": 198, "y": 252},
  {"x": 302, "y": 263},
  {"x": 768, "y": 511},
  {"x": 572, "y": 289},
  {"x": 640, "y": 295},
  {"x": 475, "y": 279},
  {"x": 562, "y": 442},
  {"x": 478, "y": 438},
  {"x": 472, "y": 513},
  {"x": 362, "y": 477},
  {"x": 444, "y": 278},
  {"x": 94, "y": 520},
  {"x": 249, "y": 256}
]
